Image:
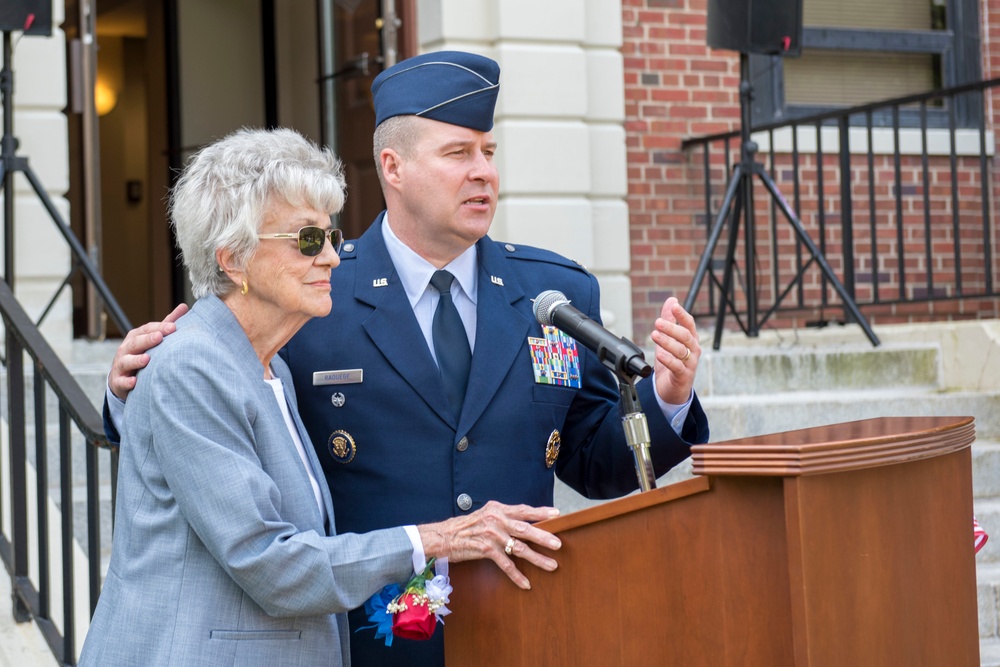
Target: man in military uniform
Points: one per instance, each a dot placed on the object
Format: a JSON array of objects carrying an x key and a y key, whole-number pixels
[{"x": 400, "y": 439}]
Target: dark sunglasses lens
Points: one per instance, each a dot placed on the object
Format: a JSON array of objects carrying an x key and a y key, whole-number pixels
[
  {"x": 311, "y": 241},
  {"x": 336, "y": 240}
]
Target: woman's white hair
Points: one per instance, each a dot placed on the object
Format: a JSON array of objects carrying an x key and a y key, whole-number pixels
[{"x": 224, "y": 192}]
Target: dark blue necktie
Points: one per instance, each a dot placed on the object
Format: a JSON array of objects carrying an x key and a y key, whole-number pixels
[{"x": 451, "y": 344}]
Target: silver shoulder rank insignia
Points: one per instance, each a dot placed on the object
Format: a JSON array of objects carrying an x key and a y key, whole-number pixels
[
  {"x": 342, "y": 447},
  {"x": 496, "y": 280},
  {"x": 552, "y": 449},
  {"x": 380, "y": 282}
]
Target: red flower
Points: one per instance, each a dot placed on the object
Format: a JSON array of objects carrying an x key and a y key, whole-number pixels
[{"x": 415, "y": 621}]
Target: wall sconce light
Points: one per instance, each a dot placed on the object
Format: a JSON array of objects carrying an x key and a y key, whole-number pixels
[
  {"x": 110, "y": 73},
  {"x": 105, "y": 97}
]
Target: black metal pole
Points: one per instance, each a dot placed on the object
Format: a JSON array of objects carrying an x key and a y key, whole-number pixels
[
  {"x": 748, "y": 151},
  {"x": 8, "y": 147}
]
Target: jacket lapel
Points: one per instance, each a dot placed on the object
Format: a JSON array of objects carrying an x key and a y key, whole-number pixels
[
  {"x": 317, "y": 468},
  {"x": 501, "y": 331},
  {"x": 391, "y": 326},
  {"x": 222, "y": 320}
]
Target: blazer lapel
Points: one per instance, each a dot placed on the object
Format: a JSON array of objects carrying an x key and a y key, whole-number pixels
[
  {"x": 317, "y": 468},
  {"x": 391, "y": 326},
  {"x": 221, "y": 319},
  {"x": 501, "y": 331}
]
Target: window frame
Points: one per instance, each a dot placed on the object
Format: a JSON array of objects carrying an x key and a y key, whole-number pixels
[{"x": 958, "y": 47}]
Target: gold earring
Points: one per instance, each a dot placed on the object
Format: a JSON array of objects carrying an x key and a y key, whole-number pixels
[{"x": 245, "y": 288}]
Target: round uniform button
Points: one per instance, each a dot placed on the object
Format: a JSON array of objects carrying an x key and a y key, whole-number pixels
[
  {"x": 348, "y": 247},
  {"x": 462, "y": 445},
  {"x": 464, "y": 502}
]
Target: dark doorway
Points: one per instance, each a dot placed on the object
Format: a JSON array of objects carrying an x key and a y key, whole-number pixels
[{"x": 172, "y": 75}]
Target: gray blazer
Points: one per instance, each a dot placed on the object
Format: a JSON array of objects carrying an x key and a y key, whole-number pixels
[{"x": 220, "y": 556}]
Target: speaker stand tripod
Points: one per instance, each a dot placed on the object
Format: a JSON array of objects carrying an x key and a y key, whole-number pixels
[
  {"x": 737, "y": 204},
  {"x": 11, "y": 163}
]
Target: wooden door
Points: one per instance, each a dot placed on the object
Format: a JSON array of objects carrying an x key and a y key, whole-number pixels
[{"x": 368, "y": 36}]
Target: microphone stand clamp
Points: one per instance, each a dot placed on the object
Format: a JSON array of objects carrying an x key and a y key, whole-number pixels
[{"x": 635, "y": 425}]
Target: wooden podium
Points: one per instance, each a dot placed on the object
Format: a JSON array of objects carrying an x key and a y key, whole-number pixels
[{"x": 844, "y": 545}]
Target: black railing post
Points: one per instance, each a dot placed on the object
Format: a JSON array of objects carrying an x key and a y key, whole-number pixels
[
  {"x": 953, "y": 171},
  {"x": 42, "y": 495},
  {"x": 66, "y": 503},
  {"x": 18, "y": 474},
  {"x": 898, "y": 172},
  {"x": 925, "y": 169},
  {"x": 872, "y": 213},
  {"x": 846, "y": 210}
]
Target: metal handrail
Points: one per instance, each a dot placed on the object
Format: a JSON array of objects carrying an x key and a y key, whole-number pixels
[
  {"x": 31, "y": 602},
  {"x": 837, "y": 114}
]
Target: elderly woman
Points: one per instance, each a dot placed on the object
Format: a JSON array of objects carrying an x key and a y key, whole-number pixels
[{"x": 224, "y": 548}]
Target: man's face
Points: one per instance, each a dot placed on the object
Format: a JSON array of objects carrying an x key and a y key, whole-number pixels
[{"x": 448, "y": 187}]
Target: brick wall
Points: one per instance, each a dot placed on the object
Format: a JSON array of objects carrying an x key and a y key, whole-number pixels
[{"x": 678, "y": 88}]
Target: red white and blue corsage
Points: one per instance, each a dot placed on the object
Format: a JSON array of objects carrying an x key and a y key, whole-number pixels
[{"x": 411, "y": 611}]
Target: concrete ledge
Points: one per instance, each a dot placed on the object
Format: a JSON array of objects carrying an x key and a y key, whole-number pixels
[
  {"x": 970, "y": 350},
  {"x": 744, "y": 416},
  {"x": 741, "y": 370}
]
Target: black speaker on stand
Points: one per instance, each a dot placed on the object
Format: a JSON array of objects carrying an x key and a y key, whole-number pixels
[
  {"x": 756, "y": 26},
  {"x": 33, "y": 17},
  {"x": 771, "y": 27}
]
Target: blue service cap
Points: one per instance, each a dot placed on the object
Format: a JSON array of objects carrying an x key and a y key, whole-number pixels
[{"x": 448, "y": 86}]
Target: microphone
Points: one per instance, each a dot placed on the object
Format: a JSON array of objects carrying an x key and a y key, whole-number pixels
[{"x": 552, "y": 308}]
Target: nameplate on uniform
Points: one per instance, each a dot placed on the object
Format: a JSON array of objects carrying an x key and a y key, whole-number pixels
[{"x": 352, "y": 376}]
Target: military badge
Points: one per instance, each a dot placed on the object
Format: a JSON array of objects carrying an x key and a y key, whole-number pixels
[
  {"x": 342, "y": 447},
  {"x": 555, "y": 359},
  {"x": 552, "y": 449}
]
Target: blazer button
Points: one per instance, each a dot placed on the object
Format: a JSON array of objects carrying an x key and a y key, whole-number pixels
[
  {"x": 464, "y": 502},
  {"x": 462, "y": 445}
]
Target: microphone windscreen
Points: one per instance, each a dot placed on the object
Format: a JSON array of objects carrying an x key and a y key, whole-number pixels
[{"x": 544, "y": 303}]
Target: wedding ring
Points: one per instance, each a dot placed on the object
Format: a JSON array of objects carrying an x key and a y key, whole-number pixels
[
  {"x": 509, "y": 547},
  {"x": 686, "y": 356}
]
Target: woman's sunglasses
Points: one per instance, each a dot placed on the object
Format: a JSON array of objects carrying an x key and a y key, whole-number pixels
[{"x": 311, "y": 239}]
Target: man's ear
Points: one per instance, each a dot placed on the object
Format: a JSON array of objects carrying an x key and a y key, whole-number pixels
[{"x": 391, "y": 163}]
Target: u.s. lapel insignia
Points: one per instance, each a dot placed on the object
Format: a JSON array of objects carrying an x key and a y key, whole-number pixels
[
  {"x": 342, "y": 447},
  {"x": 552, "y": 449},
  {"x": 496, "y": 280},
  {"x": 555, "y": 359},
  {"x": 380, "y": 282}
]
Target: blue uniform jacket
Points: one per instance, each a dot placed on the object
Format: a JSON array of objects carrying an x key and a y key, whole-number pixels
[{"x": 393, "y": 452}]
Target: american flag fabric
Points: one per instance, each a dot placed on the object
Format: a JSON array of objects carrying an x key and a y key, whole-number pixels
[{"x": 979, "y": 534}]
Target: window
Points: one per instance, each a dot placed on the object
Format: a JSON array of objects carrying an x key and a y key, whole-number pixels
[{"x": 860, "y": 51}]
